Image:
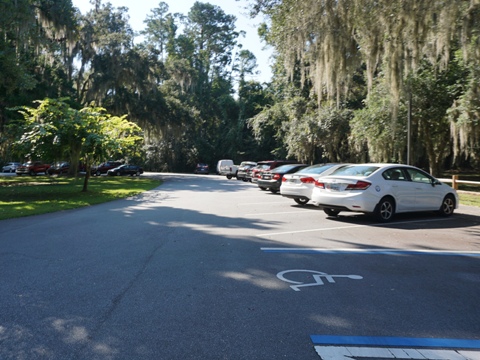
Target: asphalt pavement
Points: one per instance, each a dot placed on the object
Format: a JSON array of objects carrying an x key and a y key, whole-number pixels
[{"x": 208, "y": 268}]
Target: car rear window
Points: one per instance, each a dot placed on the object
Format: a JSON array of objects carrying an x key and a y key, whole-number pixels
[
  {"x": 356, "y": 170},
  {"x": 316, "y": 169},
  {"x": 284, "y": 168}
]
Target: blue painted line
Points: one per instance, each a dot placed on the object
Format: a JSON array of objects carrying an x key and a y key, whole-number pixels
[
  {"x": 395, "y": 341},
  {"x": 370, "y": 252}
]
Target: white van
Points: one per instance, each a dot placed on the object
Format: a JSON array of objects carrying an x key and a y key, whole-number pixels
[{"x": 227, "y": 167}]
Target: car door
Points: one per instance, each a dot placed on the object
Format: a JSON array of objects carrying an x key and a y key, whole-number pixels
[
  {"x": 428, "y": 196},
  {"x": 401, "y": 188}
]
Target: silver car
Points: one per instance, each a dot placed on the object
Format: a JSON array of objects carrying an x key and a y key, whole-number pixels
[
  {"x": 298, "y": 186},
  {"x": 11, "y": 167}
]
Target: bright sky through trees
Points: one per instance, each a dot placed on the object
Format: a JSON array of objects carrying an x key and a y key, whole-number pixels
[{"x": 138, "y": 11}]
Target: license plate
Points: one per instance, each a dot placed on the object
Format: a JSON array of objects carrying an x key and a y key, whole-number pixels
[
  {"x": 267, "y": 177},
  {"x": 333, "y": 187}
]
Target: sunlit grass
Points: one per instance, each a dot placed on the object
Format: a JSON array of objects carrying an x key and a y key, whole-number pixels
[
  {"x": 469, "y": 199},
  {"x": 26, "y": 196}
]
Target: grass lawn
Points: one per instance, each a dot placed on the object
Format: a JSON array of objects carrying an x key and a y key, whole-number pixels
[
  {"x": 472, "y": 199},
  {"x": 27, "y": 195}
]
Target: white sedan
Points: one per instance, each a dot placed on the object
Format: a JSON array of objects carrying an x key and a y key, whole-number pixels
[
  {"x": 298, "y": 186},
  {"x": 383, "y": 190}
]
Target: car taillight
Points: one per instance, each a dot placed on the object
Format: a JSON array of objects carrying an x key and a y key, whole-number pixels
[
  {"x": 359, "y": 185},
  {"x": 307, "y": 180},
  {"x": 277, "y": 176},
  {"x": 320, "y": 185},
  {"x": 284, "y": 179}
]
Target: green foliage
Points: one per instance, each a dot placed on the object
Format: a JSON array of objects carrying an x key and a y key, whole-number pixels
[
  {"x": 27, "y": 196},
  {"x": 53, "y": 131}
]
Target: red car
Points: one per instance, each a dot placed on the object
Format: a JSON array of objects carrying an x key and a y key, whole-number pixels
[
  {"x": 32, "y": 168},
  {"x": 262, "y": 166}
]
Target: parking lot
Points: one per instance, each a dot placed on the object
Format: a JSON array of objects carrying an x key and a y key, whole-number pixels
[{"x": 205, "y": 267}]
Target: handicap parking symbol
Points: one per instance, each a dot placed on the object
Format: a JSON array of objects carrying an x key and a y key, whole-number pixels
[{"x": 319, "y": 278}]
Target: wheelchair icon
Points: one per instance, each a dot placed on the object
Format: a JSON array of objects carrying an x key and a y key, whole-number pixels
[{"x": 318, "y": 277}]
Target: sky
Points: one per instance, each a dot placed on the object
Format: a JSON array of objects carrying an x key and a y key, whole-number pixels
[{"x": 139, "y": 9}]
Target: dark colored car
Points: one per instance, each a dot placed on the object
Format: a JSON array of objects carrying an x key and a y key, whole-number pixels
[
  {"x": 104, "y": 167},
  {"x": 59, "y": 168},
  {"x": 132, "y": 170},
  {"x": 201, "y": 168},
  {"x": 267, "y": 165},
  {"x": 272, "y": 180},
  {"x": 242, "y": 171}
]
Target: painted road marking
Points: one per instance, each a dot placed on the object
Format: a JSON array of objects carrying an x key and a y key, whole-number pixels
[
  {"x": 278, "y": 213},
  {"x": 349, "y": 227},
  {"x": 317, "y": 277},
  {"x": 354, "y": 353},
  {"x": 370, "y": 251},
  {"x": 353, "y": 347}
]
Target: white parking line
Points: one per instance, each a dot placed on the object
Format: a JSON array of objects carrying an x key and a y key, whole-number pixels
[
  {"x": 351, "y": 227},
  {"x": 277, "y": 213},
  {"x": 261, "y": 203}
]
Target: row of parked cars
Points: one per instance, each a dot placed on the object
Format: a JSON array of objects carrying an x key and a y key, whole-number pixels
[
  {"x": 381, "y": 190},
  {"x": 113, "y": 168}
]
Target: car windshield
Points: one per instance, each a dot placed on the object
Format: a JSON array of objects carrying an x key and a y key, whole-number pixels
[
  {"x": 316, "y": 169},
  {"x": 356, "y": 170}
]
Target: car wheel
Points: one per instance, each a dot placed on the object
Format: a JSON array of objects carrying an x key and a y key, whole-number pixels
[
  {"x": 301, "y": 201},
  {"x": 331, "y": 212},
  {"x": 118, "y": 173},
  {"x": 32, "y": 173},
  {"x": 98, "y": 173},
  {"x": 385, "y": 210},
  {"x": 273, "y": 191},
  {"x": 229, "y": 177},
  {"x": 137, "y": 173},
  {"x": 262, "y": 188},
  {"x": 448, "y": 206}
]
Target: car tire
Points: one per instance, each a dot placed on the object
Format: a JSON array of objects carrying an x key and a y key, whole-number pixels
[
  {"x": 229, "y": 177},
  {"x": 448, "y": 206},
  {"x": 263, "y": 188},
  {"x": 273, "y": 191},
  {"x": 137, "y": 173},
  {"x": 98, "y": 173},
  {"x": 301, "y": 201},
  {"x": 118, "y": 173},
  {"x": 32, "y": 173},
  {"x": 331, "y": 212},
  {"x": 385, "y": 209}
]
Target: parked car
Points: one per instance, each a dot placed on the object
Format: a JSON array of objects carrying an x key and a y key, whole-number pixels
[
  {"x": 11, "y": 167},
  {"x": 132, "y": 170},
  {"x": 266, "y": 165},
  {"x": 59, "y": 168},
  {"x": 227, "y": 168},
  {"x": 383, "y": 190},
  {"x": 299, "y": 185},
  {"x": 104, "y": 167},
  {"x": 32, "y": 168},
  {"x": 242, "y": 171},
  {"x": 201, "y": 168},
  {"x": 272, "y": 180}
]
